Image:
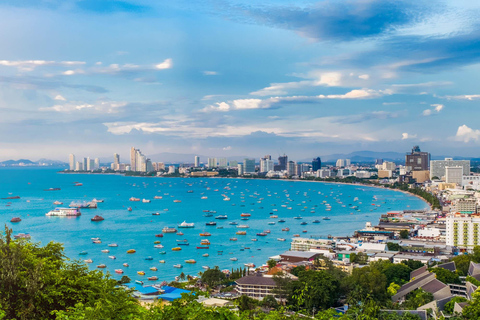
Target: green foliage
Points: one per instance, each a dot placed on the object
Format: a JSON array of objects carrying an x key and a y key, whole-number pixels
[
  {"x": 393, "y": 246},
  {"x": 213, "y": 277},
  {"x": 392, "y": 289},
  {"x": 125, "y": 279},
  {"x": 462, "y": 263},
  {"x": 417, "y": 298},
  {"x": 473, "y": 280},
  {"x": 451, "y": 304},
  {"x": 246, "y": 303},
  {"x": 270, "y": 302},
  {"x": 476, "y": 254},
  {"x": 398, "y": 273},
  {"x": 412, "y": 264},
  {"x": 404, "y": 234},
  {"x": 38, "y": 282},
  {"x": 296, "y": 271},
  {"x": 446, "y": 276},
  {"x": 472, "y": 310},
  {"x": 366, "y": 282},
  {"x": 360, "y": 258},
  {"x": 271, "y": 263}
]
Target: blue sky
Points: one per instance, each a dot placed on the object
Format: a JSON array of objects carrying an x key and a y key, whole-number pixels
[{"x": 230, "y": 78}]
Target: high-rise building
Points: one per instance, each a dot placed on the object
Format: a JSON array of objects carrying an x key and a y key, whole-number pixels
[
  {"x": 148, "y": 166},
  {"x": 79, "y": 166},
  {"x": 378, "y": 161},
  {"x": 454, "y": 175},
  {"x": 84, "y": 164},
  {"x": 240, "y": 169},
  {"x": 291, "y": 168},
  {"x": 417, "y": 160},
  {"x": 212, "y": 163},
  {"x": 266, "y": 163},
  {"x": 96, "y": 164},
  {"x": 222, "y": 163},
  {"x": 197, "y": 161},
  {"x": 316, "y": 164},
  {"x": 233, "y": 163},
  {"x": 133, "y": 159},
  {"x": 387, "y": 165},
  {"x": 249, "y": 166},
  {"x": 71, "y": 161},
  {"x": 347, "y": 162},
  {"x": 340, "y": 163},
  {"x": 437, "y": 167},
  {"x": 282, "y": 163},
  {"x": 160, "y": 166},
  {"x": 116, "y": 161},
  {"x": 463, "y": 231}
]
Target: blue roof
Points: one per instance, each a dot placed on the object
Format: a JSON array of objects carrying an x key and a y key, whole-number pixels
[
  {"x": 147, "y": 290},
  {"x": 172, "y": 293}
]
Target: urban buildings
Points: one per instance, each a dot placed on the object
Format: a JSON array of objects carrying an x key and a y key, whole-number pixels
[
  {"x": 282, "y": 163},
  {"x": 249, "y": 166},
  {"x": 71, "y": 161},
  {"x": 197, "y": 162},
  {"x": 463, "y": 230},
  {"x": 417, "y": 160},
  {"x": 454, "y": 175},
  {"x": 438, "y": 167},
  {"x": 316, "y": 164}
]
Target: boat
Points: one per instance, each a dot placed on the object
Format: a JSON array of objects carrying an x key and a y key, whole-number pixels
[
  {"x": 176, "y": 249},
  {"x": 125, "y": 265},
  {"x": 206, "y": 267},
  {"x": 185, "y": 224},
  {"x": 233, "y": 223},
  {"x": 97, "y": 241},
  {"x": 211, "y": 223},
  {"x": 286, "y": 229},
  {"x": 105, "y": 251},
  {"x": 83, "y": 253},
  {"x": 149, "y": 258},
  {"x": 205, "y": 234},
  {"x": 243, "y": 226},
  {"x": 226, "y": 199},
  {"x": 203, "y": 198},
  {"x": 205, "y": 255},
  {"x": 296, "y": 235},
  {"x": 254, "y": 239},
  {"x": 83, "y": 205},
  {"x": 158, "y": 197},
  {"x": 101, "y": 266},
  {"x": 118, "y": 271},
  {"x": 153, "y": 268},
  {"x": 162, "y": 252},
  {"x": 179, "y": 233},
  {"x": 192, "y": 261},
  {"x": 158, "y": 246},
  {"x": 245, "y": 215},
  {"x": 303, "y": 223},
  {"x": 161, "y": 261},
  {"x": 131, "y": 251},
  {"x": 234, "y": 259},
  {"x": 271, "y": 223},
  {"x": 205, "y": 242},
  {"x": 281, "y": 239},
  {"x": 57, "y": 203},
  {"x": 78, "y": 184},
  {"x": 266, "y": 231},
  {"x": 88, "y": 261},
  {"x": 316, "y": 221},
  {"x": 113, "y": 245},
  {"x": 297, "y": 217},
  {"x": 207, "y": 215},
  {"x": 183, "y": 244},
  {"x": 49, "y": 189},
  {"x": 97, "y": 218},
  {"x": 139, "y": 282},
  {"x": 155, "y": 213},
  {"x": 160, "y": 235},
  {"x": 134, "y": 199},
  {"x": 177, "y": 201},
  {"x": 142, "y": 273},
  {"x": 249, "y": 265},
  {"x": 261, "y": 234},
  {"x": 15, "y": 219},
  {"x": 152, "y": 278},
  {"x": 169, "y": 230},
  {"x": 203, "y": 247},
  {"x": 304, "y": 231},
  {"x": 222, "y": 217},
  {"x": 190, "y": 191},
  {"x": 274, "y": 216},
  {"x": 177, "y": 266},
  {"x": 242, "y": 233},
  {"x": 98, "y": 200},
  {"x": 244, "y": 218},
  {"x": 129, "y": 209},
  {"x": 64, "y": 212},
  {"x": 325, "y": 218},
  {"x": 146, "y": 200},
  {"x": 233, "y": 239}
]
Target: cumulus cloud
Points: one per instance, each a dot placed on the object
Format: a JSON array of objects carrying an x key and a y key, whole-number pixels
[
  {"x": 466, "y": 134},
  {"x": 464, "y": 97},
  {"x": 166, "y": 64},
  {"x": 406, "y": 136},
  {"x": 436, "y": 109},
  {"x": 59, "y": 98}
]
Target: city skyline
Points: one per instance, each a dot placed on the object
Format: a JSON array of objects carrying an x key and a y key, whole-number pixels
[{"x": 229, "y": 78}]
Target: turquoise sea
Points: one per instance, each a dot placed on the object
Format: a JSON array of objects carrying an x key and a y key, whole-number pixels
[{"x": 137, "y": 229}]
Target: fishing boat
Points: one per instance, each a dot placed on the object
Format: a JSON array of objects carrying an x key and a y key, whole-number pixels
[
  {"x": 134, "y": 199},
  {"x": 205, "y": 234},
  {"x": 281, "y": 239},
  {"x": 83, "y": 253},
  {"x": 88, "y": 261},
  {"x": 118, "y": 271},
  {"x": 105, "y": 251},
  {"x": 177, "y": 266},
  {"x": 192, "y": 261},
  {"x": 113, "y": 245},
  {"x": 185, "y": 224},
  {"x": 131, "y": 251},
  {"x": 211, "y": 223},
  {"x": 15, "y": 219},
  {"x": 286, "y": 229},
  {"x": 169, "y": 230},
  {"x": 153, "y": 268},
  {"x": 101, "y": 266},
  {"x": 176, "y": 249},
  {"x": 141, "y": 273},
  {"x": 158, "y": 246},
  {"x": 153, "y": 278},
  {"x": 242, "y": 233},
  {"x": 112, "y": 257},
  {"x": 126, "y": 265},
  {"x": 148, "y": 258}
]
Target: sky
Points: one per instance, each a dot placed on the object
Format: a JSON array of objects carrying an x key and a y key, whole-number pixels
[{"x": 229, "y": 78}]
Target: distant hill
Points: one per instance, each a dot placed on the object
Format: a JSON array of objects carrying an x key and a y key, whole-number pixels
[
  {"x": 168, "y": 157},
  {"x": 27, "y": 162},
  {"x": 16, "y": 162}
]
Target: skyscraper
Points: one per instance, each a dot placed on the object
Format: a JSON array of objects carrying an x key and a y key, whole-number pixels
[
  {"x": 212, "y": 163},
  {"x": 71, "y": 161},
  {"x": 248, "y": 165},
  {"x": 84, "y": 164},
  {"x": 316, "y": 164},
  {"x": 417, "y": 160},
  {"x": 291, "y": 166},
  {"x": 197, "y": 161},
  {"x": 133, "y": 159},
  {"x": 96, "y": 165},
  {"x": 282, "y": 162},
  {"x": 222, "y": 163},
  {"x": 116, "y": 161}
]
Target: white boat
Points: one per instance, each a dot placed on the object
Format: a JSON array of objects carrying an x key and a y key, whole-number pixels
[
  {"x": 177, "y": 266},
  {"x": 169, "y": 230},
  {"x": 158, "y": 246},
  {"x": 281, "y": 239},
  {"x": 243, "y": 226},
  {"x": 113, "y": 245},
  {"x": 57, "y": 203},
  {"x": 112, "y": 257},
  {"x": 146, "y": 201},
  {"x": 206, "y": 267},
  {"x": 105, "y": 251},
  {"x": 233, "y": 259},
  {"x": 185, "y": 224},
  {"x": 88, "y": 261},
  {"x": 64, "y": 212}
]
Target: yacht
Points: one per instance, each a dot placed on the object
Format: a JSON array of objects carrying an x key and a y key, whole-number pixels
[
  {"x": 64, "y": 212},
  {"x": 185, "y": 224}
]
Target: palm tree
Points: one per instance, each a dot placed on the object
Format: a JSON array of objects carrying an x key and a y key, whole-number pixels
[{"x": 182, "y": 276}]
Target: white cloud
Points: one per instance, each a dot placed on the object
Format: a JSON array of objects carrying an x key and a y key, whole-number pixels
[
  {"x": 59, "y": 98},
  {"x": 466, "y": 134},
  {"x": 241, "y": 104},
  {"x": 436, "y": 108},
  {"x": 167, "y": 64},
  {"x": 464, "y": 97},
  {"x": 210, "y": 73},
  {"x": 227, "y": 148},
  {"x": 427, "y": 112},
  {"x": 100, "y": 107},
  {"x": 406, "y": 136},
  {"x": 30, "y": 65},
  {"x": 364, "y": 76}
]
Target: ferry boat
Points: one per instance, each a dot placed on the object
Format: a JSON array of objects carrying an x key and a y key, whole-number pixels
[
  {"x": 131, "y": 251},
  {"x": 134, "y": 199},
  {"x": 185, "y": 224},
  {"x": 222, "y": 217},
  {"x": 176, "y": 249},
  {"x": 97, "y": 218},
  {"x": 192, "y": 261},
  {"x": 15, "y": 219},
  {"x": 64, "y": 212},
  {"x": 169, "y": 230},
  {"x": 205, "y": 234},
  {"x": 152, "y": 278}
]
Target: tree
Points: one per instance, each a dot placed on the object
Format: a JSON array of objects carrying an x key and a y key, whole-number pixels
[
  {"x": 366, "y": 282},
  {"x": 398, "y": 273},
  {"x": 392, "y": 289},
  {"x": 446, "y": 276},
  {"x": 393, "y": 246},
  {"x": 360, "y": 258},
  {"x": 412, "y": 264},
  {"x": 476, "y": 254},
  {"x": 125, "y": 279},
  {"x": 404, "y": 234},
  {"x": 462, "y": 263},
  {"x": 417, "y": 298},
  {"x": 245, "y": 303},
  {"x": 182, "y": 276},
  {"x": 271, "y": 263},
  {"x": 451, "y": 304},
  {"x": 213, "y": 277},
  {"x": 270, "y": 302},
  {"x": 472, "y": 310}
]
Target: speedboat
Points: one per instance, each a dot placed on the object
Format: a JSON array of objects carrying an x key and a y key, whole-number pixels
[
  {"x": 190, "y": 261},
  {"x": 153, "y": 268},
  {"x": 118, "y": 271},
  {"x": 113, "y": 245},
  {"x": 88, "y": 261},
  {"x": 142, "y": 273},
  {"x": 234, "y": 259},
  {"x": 125, "y": 265},
  {"x": 101, "y": 266},
  {"x": 131, "y": 251},
  {"x": 83, "y": 253},
  {"x": 152, "y": 278},
  {"x": 177, "y": 266},
  {"x": 105, "y": 251},
  {"x": 159, "y": 246},
  {"x": 112, "y": 257}
]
